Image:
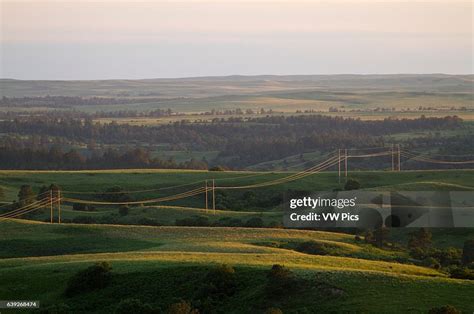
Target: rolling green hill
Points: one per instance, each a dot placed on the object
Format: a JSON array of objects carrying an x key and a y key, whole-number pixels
[{"x": 175, "y": 260}]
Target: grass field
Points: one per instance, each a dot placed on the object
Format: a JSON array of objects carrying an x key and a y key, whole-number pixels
[
  {"x": 50, "y": 254},
  {"x": 280, "y": 93},
  {"x": 161, "y": 265}
]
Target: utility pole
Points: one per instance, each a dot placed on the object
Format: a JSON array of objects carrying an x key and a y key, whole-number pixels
[
  {"x": 59, "y": 206},
  {"x": 213, "y": 196},
  {"x": 339, "y": 165},
  {"x": 399, "y": 164},
  {"x": 345, "y": 159},
  {"x": 393, "y": 158},
  {"x": 206, "y": 194},
  {"x": 51, "y": 206}
]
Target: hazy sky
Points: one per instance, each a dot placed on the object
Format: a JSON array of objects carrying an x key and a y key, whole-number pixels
[{"x": 124, "y": 39}]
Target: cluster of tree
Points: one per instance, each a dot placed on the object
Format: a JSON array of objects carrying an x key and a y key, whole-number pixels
[
  {"x": 55, "y": 158},
  {"x": 459, "y": 263},
  {"x": 241, "y": 143},
  {"x": 74, "y": 114},
  {"x": 237, "y": 111}
]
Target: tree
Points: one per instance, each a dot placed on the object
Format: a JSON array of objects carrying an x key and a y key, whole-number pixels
[
  {"x": 420, "y": 239},
  {"x": 381, "y": 235},
  {"x": 468, "y": 252},
  {"x": 94, "y": 277},
  {"x": 25, "y": 195},
  {"x": 352, "y": 184}
]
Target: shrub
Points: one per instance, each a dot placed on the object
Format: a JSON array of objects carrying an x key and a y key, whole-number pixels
[
  {"x": 462, "y": 273},
  {"x": 420, "y": 239},
  {"x": 432, "y": 262},
  {"x": 448, "y": 256},
  {"x": 134, "y": 306},
  {"x": 352, "y": 184},
  {"x": 182, "y": 307},
  {"x": 94, "y": 277},
  {"x": 219, "y": 283},
  {"x": 313, "y": 247},
  {"x": 446, "y": 309},
  {"x": 280, "y": 280},
  {"x": 419, "y": 253},
  {"x": 380, "y": 236}
]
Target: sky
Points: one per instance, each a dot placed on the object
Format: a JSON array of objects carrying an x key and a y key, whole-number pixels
[{"x": 78, "y": 40}]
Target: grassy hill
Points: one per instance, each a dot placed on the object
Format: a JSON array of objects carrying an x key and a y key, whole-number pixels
[{"x": 160, "y": 265}]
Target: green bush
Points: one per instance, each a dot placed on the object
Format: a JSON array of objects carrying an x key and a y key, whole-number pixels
[
  {"x": 280, "y": 281},
  {"x": 94, "y": 277},
  {"x": 313, "y": 247},
  {"x": 432, "y": 263},
  {"x": 352, "y": 184},
  {"x": 462, "y": 273},
  {"x": 219, "y": 282}
]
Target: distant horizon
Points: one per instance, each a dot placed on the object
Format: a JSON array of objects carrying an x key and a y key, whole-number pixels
[{"x": 243, "y": 75}]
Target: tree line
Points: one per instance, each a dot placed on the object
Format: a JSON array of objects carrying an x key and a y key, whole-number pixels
[{"x": 240, "y": 142}]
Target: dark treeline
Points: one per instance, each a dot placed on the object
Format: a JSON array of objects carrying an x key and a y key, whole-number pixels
[
  {"x": 74, "y": 114},
  {"x": 240, "y": 142},
  {"x": 55, "y": 158}
]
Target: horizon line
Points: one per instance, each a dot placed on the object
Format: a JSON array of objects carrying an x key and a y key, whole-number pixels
[{"x": 240, "y": 75}]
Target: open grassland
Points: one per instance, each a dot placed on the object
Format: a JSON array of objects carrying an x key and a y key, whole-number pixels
[
  {"x": 281, "y": 93},
  {"x": 162, "y": 264},
  {"x": 362, "y": 115},
  {"x": 175, "y": 181}
]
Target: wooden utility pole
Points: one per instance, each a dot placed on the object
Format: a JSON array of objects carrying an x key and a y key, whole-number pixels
[
  {"x": 59, "y": 206},
  {"x": 51, "y": 206},
  {"x": 206, "y": 194},
  {"x": 345, "y": 159},
  {"x": 393, "y": 158},
  {"x": 399, "y": 164},
  {"x": 339, "y": 165},
  {"x": 214, "y": 196}
]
